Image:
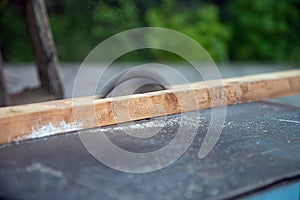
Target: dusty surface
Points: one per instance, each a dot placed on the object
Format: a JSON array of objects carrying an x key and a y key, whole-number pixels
[{"x": 259, "y": 146}]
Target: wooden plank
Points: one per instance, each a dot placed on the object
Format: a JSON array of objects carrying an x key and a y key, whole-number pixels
[
  {"x": 39, "y": 31},
  {"x": 53, "y": 117}
]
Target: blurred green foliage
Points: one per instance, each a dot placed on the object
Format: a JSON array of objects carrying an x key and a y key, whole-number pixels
[
  {"x": 231, "y": 29},
  {"x": 199, "y": 21},
  {"x": 78, "y": 26},
  {"x": 14, "y": 44},
  {"x": 264, "y": 30}
]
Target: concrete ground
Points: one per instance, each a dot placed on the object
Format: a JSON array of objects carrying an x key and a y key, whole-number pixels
[{"x": 21, "y": 76}]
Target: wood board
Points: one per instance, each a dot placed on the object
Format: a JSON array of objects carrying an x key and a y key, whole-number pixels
[{"x": 49, "y": 118}]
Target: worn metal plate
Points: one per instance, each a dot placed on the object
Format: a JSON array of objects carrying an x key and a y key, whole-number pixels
[{"x": 259, "y": 147}]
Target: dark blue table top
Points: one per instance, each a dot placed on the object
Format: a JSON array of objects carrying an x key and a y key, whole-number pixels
[{"x": 259, "y": 148}]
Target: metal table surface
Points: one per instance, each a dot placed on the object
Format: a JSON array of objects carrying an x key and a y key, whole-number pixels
[{"x": 259, "y": 148}]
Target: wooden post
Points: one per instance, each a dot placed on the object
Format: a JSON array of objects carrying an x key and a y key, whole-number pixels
[
  {"x": 4, "y": 99},
  {"x": 37, "y": 23}
]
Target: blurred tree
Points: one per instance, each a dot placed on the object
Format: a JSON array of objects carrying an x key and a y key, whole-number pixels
[
  {"x": 199, "y": 21},
  {"x": 264, "y": 30},
  {"x": 112, "y": 18},
  {"x": 244, "y": 30},
  {"x": 79, "y": 26},
  {"x": 14, "y": 43},
  {"x": 71, "y": 23}
]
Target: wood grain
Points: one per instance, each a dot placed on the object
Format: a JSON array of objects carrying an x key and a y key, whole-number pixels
[{"x": 43, "y": 119}]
